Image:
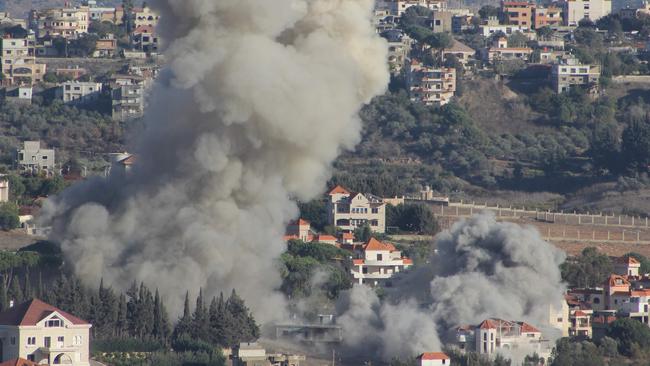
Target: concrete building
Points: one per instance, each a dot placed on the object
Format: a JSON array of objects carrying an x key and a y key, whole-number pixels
[
  {"x": 34, "y": 158},
  {"x": 518, "y": 13},
  {"x": 44, "y": 334},
  {"x": 348, "y": 210},
  {"x": 501, "y": 52},
  {"x": 4, "y": 189},
  {"x": 127, "y": 102},
  {"x": 19, "y": 60},
  {"x": 577, "y": 10},
  {"x": 78, "y": 93},
  {"x": 378, "y": 262},
  {"x": 398, "y": 7},
  {"x": 494, "y": 334},
  {"x": 569, "y": 73},
  {"x": 20, "y": 95},
  {"x": 145, "y": 39},
  {"x": 550, "y": 16},
  {"x": 299, "y": 229},
  {"x": 433, "y": 359},
  {"x": 461, "y": 51},
  {"x": 249, "y": 354},
  {"x": 441, "y": 21},
  {"x": 105, "y": 47},
  {"x": 627, "y": 266},
  {"x": 67, "y": 22},
  {"x": 145, "y": 17},
  {"x": 580, "y": 325},
  {"x": 491, "y": 26},
  {"x": 430, "y": 86}
]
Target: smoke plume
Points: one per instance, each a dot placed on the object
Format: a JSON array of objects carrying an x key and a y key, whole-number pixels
[
  {"x": 483, "y": 269},
  {"x": 258, "y": 98}
]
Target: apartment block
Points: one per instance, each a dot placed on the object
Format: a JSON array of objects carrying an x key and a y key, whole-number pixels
[
  {"x": 547, "y": 16},
  {"x": 127, "y": 98},
  {"x": 570, "y": 73},
  {"x": 518, "y": 12},
  {"x": 378, "y": 263},
  {"x": 19, "y": 60},
  {"x": 350, "y": 210},
  {"x": 76, "y": 92},
  {"x": 577, "y": 10},
  {"x": 66, "y": 22},
  {"x": 431, "y": 86}
]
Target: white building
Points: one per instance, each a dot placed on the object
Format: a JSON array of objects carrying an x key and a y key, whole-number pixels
[
  {"x": 78, "y": 92},
  {"x": 492, "y": 26},
  {"x": 378, "y": 263},
  {"x": 430, "y": 86},
  {"x": 34, "y": 158},
  {"x": 398, "y": 7},
  {"x": 4, "y": 188},
  {"x": 19, "y": 60},
  {"x": 44, "y": 334},
  {"x": 627, "y": 266},
  {"x": 67, "y": 22},
  {"x": 494, "y": 334},
  {"x": 571, "y": 73},
  {"x": 145, "y": 17},
  {"x": 348, "y": 210},
  {"x": 577, "y": 10},
  {"x": 433, "y": 359}
]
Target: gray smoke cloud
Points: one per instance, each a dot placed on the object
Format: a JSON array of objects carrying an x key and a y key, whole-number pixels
[
  {"x": 483, "y": 269},
  {"x": 258, "y": 98}
]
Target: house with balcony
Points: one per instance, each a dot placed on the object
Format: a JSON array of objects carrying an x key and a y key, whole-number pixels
[
  {"x": 492, "y": 335},
  {"x": 34, "y": 157},
  {"x": 580, "y": 323},
  {"x": 429, "y": 85},
  {"x": 499, "y": 51},
  {"x": 18, "y": 59},
  {"x": 570, "y": 73},
  {"x": 377, "y": 262},
  {"x": 41, "y": 333},
  {"x": 350, "y": 210}
]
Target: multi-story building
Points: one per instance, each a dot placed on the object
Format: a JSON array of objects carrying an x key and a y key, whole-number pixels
[
  {"x": 377, "y": 263},
  {"x": 580, "y": 325},
  {"x": 66, "y": 22},
  {"x": 627, "y": 266},
  {"x": 6, "y": 19},
  {"x": 577, "y": 10},
  {"x": 518, "y": 12},
  {"x": 299, "y": 229},
  {"x": 441, "y": 21},
  {"x": 461, "y": 51},
  {"x": 105, "y": 47},
  {"x": 43, "y": 334},
  {"x": 547, "y": 16},
  {"x": 348, "y": 210},
  {"x": 492, "y": 26},
  {"x": 145, "y": 17},
  {"x": 494, "y": 334},
  {"x": 398, "y": 7},
  {"x": 570, "y": 73},
  {"x": 34, "y": 158},
  {"x": 19, "y": 60},
  {"x": 145, "y": 39},
  {"x": 399, "y": 45},
  {"x": 501, "y": 52},
  {"x": 431, "y": 86},
  {"x": 77, "y": 92},
  {"x": 433, "y": 359},
  {"x": 127, "y": 100}
]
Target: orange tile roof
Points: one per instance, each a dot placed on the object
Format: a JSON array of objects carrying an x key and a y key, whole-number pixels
[
  {"x": 580, "y": 313},
  {"x": 348, "y": 236},
  {"x": 628, "y": 260},
  {"x": 433, "y": 356},
  {"x": 527, "y": 328},
  {"x": 18, "y": 362},
  {"x": 611, "y": 280},
  {"x": 374, "y": 244},
  {"x": 324, "y": 238},
  {"x": 487, "y": 324},
  {"x": 357, "y": 262},
  {"x": 640, "y": 293},
  {"x": 407, "y": 261},
  {"x": 300, "y": 222},
  {"x": 338, "y": 190},
  {"x": 32, "y": 312}
]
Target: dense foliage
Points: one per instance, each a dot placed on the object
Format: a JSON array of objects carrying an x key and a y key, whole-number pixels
[{"x": 590, "y": 269}]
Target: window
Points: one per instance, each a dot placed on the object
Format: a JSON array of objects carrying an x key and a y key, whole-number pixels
[
  {"x": 13, "y": 341},
  {"x": 375, "y": 210},
  {"x": 60, "y": 339},
  {"x": 31, "y": 341},
  {"x": 77, "y": 340},
  {"x": 31, "y": 358},
  {"x": 380, "y": 257},
  {"x": 47, "y": 341},
  {"x": 53, "y": 323}
]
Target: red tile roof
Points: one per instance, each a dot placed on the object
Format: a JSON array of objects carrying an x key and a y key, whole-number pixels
[
  {"x": 580, "y": 313},
  {"x": 348, "y": 236},
  {"x": 407, "y": 261},
  {"x": 338, "y": 190},
  {"x": 32, "y": 312},
  {"x": 374, "y": 244},
  {"x": 527, "y": 328},
  {"x": 488, "y": 324},
  {"x": 612, "y": 280},
  {"x": 357, "y": 262},
  {"x": 433, "y": 356},
  {"x": 321, "y": 238},
  {"x": 18, "y": 362},
  {"x": 628, "y": 260},
  {"x": 143, "y": 29}
]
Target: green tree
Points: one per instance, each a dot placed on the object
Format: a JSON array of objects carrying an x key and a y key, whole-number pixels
[
  {"x": 636, "y": 145},
  {"x": 517, "y": 39},
  {"x": 489, "y": 11},
  {"x": 9, "y": 216},
  {"x": 629, "y": 333},
  {"x": 590, "y": 269}
]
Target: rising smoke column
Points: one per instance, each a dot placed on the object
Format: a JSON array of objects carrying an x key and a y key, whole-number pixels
[
  {"x": 483, "y": 269},
  {"x": 258, "y": 98}
]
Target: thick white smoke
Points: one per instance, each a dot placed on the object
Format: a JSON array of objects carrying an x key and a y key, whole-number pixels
[
  {"x": 483, "y": 269},
  {"x": 258, "y": 99}
]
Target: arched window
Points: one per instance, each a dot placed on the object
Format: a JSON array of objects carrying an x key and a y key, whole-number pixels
[{"x": 62, "y": 359}]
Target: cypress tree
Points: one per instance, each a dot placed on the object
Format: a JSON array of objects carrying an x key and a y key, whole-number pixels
[
  {"x": 15, "y": 291},
  {"x": 121, "y": 326},
  {"x": 184, "y": 325},
  {"x": 3, "y": 295},
  {"x": 39, "y": 286},
  {"x": 165, "y": 328},
  {"x": 28, "y": 294},
  {"x": 200, "y": 321}
]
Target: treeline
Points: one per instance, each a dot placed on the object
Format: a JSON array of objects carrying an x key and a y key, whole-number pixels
[{"x": 592, "y": 268}]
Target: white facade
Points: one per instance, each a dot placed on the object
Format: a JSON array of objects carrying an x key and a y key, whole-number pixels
[
  {"x": 378, "y": 263},
  {"x": 495, "y": 334},
  {"x": 433, "y": 359},
  {"x": 577, "y": 10},
  {"x": 19, "y": 61},
  {"x": 33, "y": 157},
  {"x": 349, "y": 211},
  {"x": 568, "y": 74},
  {"x": 4, "y": 189},
  {"x": 76, "y": 92}
]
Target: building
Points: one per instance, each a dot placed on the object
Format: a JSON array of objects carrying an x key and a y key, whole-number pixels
[
  {"x": 399, "y": 45},
  {"x": 433, "y": 359},
  {"x": 145, "y": 17},
  {"x": 634, "y": 12},
  {"x": 19, "y": 95},
  {"x": 377, "y": 263},
  {"x": 4, "y": 188},
  {"x": 44, "y": 334},
  {"x": 127, "y": 102},
  {"x": 105, "y": 47},
  {"x": 494, "y": 334},
  {"x": 430, "y": 86},
  {"x": 518, "y": 13},
  {"x": 249, "y": 354},
  {"x": 576, "y": 10},
  {"x": 550, "y": 16},
  {"x": 461, "y": 51},
  {"x": 580, "y": 325},
  {"x": 19, "y": 60},
  {"x": 348, "y": 210},
  {"x": 441, "y": 21},
  {"x": 627, "y": 266},
  {"x": 145, "y": 39},
  {"x": 501, "y": 52},
  {"x": 491, "y": 26},
  {"x": 33, "y": 158},
  {"x": 67, "y": 22},
  {"x": 398, "y": 7},
  {"x": 78, "y": 93},
  {"x": 569, "y": 73},
  {"x": 299, "y": 229}
]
